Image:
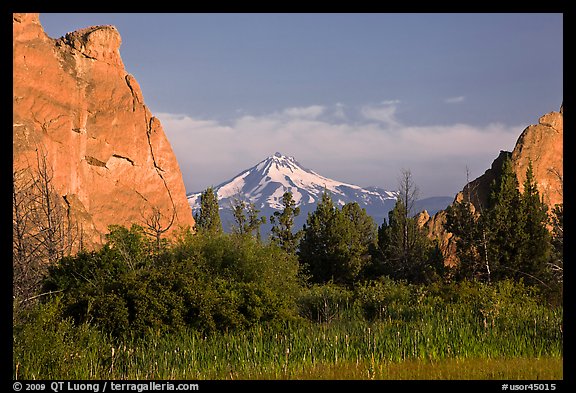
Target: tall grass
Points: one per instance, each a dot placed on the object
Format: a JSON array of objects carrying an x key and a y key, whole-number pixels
[{"x": 430, "y": 334}]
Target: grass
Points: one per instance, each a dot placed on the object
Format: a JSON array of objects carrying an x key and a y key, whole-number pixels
[
  {"x": 451, "y": 344},
  {"x": 446, "y": 369},
  {"x": 475, "y": 335}
]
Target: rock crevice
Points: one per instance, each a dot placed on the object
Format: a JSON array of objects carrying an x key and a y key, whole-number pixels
[{"x": 74, "y": 99}]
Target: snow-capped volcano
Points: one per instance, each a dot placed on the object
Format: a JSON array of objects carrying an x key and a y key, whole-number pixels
[{"x": 266, "y": 182}]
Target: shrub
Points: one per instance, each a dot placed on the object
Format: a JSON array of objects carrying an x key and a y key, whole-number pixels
[
  {"x": 383, "y": 298},
  {"x": 325, "y": 303},
  {"x": 206, "y": 282}
]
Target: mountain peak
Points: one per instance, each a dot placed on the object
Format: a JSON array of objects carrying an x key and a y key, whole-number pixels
[
  {"x": 279, "y": 157},
  {"x": 265, "y": 184}
]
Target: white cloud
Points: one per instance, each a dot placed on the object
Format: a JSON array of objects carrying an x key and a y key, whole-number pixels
[
  {"x": 454, "y": 100},
  {"x": 363, "y": 153},
  {"x": 338, "y": 111},
  {"x": 311, "y": 112},
  {"x": 385, "y": 113}
]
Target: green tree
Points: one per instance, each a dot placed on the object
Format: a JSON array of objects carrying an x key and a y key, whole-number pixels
[
  {"x": 317, "y": 246},
  {"x": 208, "y": 218},
  {"x": 556, "y": 264},
  {"x": 202, "y": 282},
  {"x": 254, "y": 222},
  {"x": 246, "y": 218},
  {"x": 282, "y": 233},
  {"x": 404, "y": 250},
  {"x": 505, "y": 226},
  {"x": 537, "y": 245},
  {"x": 355, "y": 240},
  {"x": 240, "y": 226},
  {"x": 336, "y": 243},
  {"x": 468, "y": 231}
]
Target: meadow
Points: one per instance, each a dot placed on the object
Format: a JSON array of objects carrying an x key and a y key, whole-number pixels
[{"x": 424, "y": 336}]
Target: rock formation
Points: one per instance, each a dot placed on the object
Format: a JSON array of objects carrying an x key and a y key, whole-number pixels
[
  {"x": 542, "y": 144},
  {"x": 75, "y": 104}
]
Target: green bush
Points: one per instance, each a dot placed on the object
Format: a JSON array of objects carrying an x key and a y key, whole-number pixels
[
  {"x": 46, "y": 344},
  {"x": 209, "y": 283},
  {"x": 325, "y": 302},
  {"x": 384, "y": 298}
]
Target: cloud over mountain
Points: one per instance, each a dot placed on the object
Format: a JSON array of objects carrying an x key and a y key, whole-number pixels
[{"x": 366, "y": 146}]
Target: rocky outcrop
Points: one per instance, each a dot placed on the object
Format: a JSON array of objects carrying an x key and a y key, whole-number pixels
[
  {"x": 542, "y": 144},
  {"x": 75, "y": 103}
]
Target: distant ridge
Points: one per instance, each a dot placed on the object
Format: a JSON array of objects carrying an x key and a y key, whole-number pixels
[{"x": 266, "y": 182}]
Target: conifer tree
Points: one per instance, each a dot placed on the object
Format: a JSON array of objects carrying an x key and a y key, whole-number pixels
[
  {"x": 282, "y": 232},
  {"x": 504, "y": 223},
  {"x": 467, "y": 230},
  {"x": 537, "y": 245},
  {"x": 238, "y": 208},
  {"x": 336, "y": 243},
  {"x": 316, "y": 247},
  {"x": 356, "y": 239},
  {"x": 254, "y": 222},
  {"x": 405, "y": 249},
  {"x": 208, "y": 219},
  {"x": 246, "y": 218}
]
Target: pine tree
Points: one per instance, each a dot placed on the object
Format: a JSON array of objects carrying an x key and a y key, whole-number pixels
[
  {"x": 405, "y": 249},
  {"x": 240, "y": 226},
  {"x": 356, "y": 240},
  {"x": 537, "y": 245},
  {"x": 254, "y": 222},
  {"x": 282, "y": 233},
  {"x": 336, "y": 243},
  {"x": 246, "y": 218},
  {"x": 505, "y": 229},
  {"x": 468, "y": 233},
  {"x": 316, "y": 247},
  {"x": 208, "y": 219}
]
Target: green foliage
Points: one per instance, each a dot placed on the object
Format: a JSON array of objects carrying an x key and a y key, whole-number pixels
[
  {"x": 463, "y": 321},
  {"x": 384, "y": 298},
  {"x": 317, "y": 246},
  {"x": 471, "y": 242},
  {"x": 282, "y": 232},
  {"x": 509, "y": 239},
  {"x": 404, "y": 251},
  {"x": 537, "y": 246},
  {"x": 504, "y": 220},
  {"x": 45, "y": 344},
  {"x": 212, "y": 282},
  {"x": 324, "y": 303},
  {"x": 336, "y": 243},
  {"x": 208, "y": 219},
  {"x": 246, "y": 218}
]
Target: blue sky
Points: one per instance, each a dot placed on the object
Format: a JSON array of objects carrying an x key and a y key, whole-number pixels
[{"x": 356, "y": 97}]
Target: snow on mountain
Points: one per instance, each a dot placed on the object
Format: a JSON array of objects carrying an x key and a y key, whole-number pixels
[{"x": 265, "y": 183}]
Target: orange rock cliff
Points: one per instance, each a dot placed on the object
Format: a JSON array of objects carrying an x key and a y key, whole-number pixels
[
  {"x": 74, "y": 102},
  {"x": 543, "y": 145}
]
